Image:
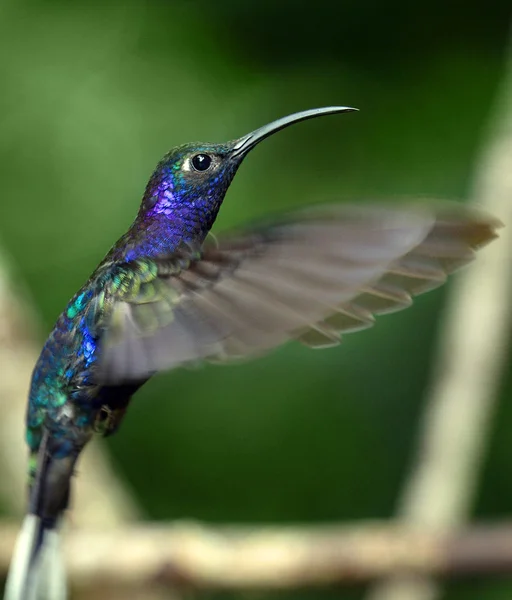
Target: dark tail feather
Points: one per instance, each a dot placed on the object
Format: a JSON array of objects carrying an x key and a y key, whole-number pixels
[{"x": 36, "y": 569}]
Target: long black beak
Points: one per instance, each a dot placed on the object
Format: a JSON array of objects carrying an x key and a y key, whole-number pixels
[{"x": 247, "y": 142}]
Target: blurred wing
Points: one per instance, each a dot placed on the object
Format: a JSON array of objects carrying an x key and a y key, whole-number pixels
[{"x": 310, "y": 276}]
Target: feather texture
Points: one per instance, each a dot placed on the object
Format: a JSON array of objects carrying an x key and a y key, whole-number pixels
[
  {"x": 36, "y": 575},
  {"x": 311, "y": 276},
  {"x": 162, "y": 297}
]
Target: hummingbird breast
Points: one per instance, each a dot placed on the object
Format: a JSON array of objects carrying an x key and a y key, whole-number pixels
[{"x": 62, "y": 392}]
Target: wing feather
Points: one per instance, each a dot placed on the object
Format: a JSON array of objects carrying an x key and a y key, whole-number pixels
[{"x": 310, "y": 276}]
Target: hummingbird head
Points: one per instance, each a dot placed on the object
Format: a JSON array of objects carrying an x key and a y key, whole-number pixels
[{"x": 190, "y": 182}]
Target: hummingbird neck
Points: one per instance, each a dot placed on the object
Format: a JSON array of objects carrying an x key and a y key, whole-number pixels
[
  {"x": 181, "y": 209},
  {"x": 166, "y": 219},
  {"x": 157, "y": 236}
]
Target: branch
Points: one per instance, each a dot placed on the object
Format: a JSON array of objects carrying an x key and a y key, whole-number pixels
[
  {"x": 242, "y": 558},
  {"x": 469, "y": 366}
]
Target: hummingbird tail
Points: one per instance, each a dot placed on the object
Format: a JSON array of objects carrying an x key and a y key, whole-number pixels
[
  {"x": 52, "y": 574},
  {"x": 36, "y": 569}
]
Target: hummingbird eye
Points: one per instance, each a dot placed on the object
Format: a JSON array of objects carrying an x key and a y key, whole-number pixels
[{"x": 201, "y": 162}]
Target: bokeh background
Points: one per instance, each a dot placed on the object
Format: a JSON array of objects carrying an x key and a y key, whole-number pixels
[{"x": 93, "y": 93}]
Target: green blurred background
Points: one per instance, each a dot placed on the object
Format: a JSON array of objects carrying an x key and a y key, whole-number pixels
[{"x": 93, "y": 93}]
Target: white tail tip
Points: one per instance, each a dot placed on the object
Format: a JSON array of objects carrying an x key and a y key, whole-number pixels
[{"x": 39, "y": 579}]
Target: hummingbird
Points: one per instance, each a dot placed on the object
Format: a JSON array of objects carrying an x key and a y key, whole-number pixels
[{"x": 168, "y": 294}]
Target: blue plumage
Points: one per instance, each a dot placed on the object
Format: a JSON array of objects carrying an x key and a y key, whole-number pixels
[{"x": 163, "y": 297}]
